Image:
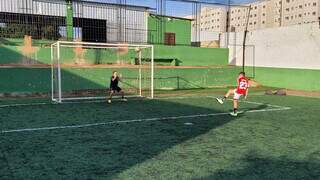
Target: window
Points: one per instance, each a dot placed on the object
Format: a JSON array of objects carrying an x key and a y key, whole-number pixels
[
  {"x": 287, "y": 18},
  {"x": 263, "y": 14},
  {"x": 288, "y": 1},
  {"x": 262, "y": 22},
  {"x": 300, "y": 6},
  {"x": 314, "y": 13},
  {"x": 287, "y": 9},
  {"x": 170, "y": 39},
  {"x": 300, "y": 15},
  {"x": 255, "y": 7},
  {"x": 255, "y": 22},
  {"x": 291, "y": 17},
  {"x": 314, "y": 4},
  {"x": 264, "y": 6},
  {"x": 239, "y": 10},
  {"x": 255, "y": 15}
]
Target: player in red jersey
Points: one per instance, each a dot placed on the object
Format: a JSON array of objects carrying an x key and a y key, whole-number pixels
[{"x": 241, "y": 90}]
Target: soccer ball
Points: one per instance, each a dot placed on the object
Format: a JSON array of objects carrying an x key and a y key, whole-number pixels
[{"x": 137, "y": 49}]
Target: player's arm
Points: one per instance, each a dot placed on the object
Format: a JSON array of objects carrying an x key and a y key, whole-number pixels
[
  {"x": 246, "y": 95},
  {"x": 113, "y": 78},
  {"x": 120, "y": 78}
]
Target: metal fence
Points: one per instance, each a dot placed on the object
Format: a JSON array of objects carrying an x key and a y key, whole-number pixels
[{"x": 127, "y": 20}]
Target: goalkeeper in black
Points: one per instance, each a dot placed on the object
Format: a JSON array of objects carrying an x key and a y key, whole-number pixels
[{"x": 114, "y": 87}]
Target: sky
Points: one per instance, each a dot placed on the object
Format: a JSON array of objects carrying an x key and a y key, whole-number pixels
[{"x": 173, "y": 8}]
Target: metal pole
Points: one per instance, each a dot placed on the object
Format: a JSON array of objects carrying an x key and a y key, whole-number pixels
[
  {"x": 52, "y": 83},
  {"x": 244, "y": 41},
  {"x": 59, "y": 72},
  {"x": 152, "y": 71},
  {"x": 140, "y": 76}
]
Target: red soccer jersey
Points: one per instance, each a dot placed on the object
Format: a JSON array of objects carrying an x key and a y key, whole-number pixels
[{"x": 243, "y": 85}]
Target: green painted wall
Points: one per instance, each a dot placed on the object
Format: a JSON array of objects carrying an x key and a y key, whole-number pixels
[
  {"x": 38, "y": 79},
  {"x": 31, "y": 80},
  {"x": 158, "y": 26},
  {"x": 69, "y": 20},
  {"x": 186, "y": 55},
  {"x": 193, "y": 56},
  {"x": 298, "y": 79}
]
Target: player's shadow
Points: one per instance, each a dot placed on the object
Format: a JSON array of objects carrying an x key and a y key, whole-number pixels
[{"x": 254, "y": 166}]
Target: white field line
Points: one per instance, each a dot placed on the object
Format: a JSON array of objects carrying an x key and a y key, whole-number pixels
[
  {"x": 135, "y": 120},
  {"x": 99, "y": 101},
  {"x": 256, "y": 103}
]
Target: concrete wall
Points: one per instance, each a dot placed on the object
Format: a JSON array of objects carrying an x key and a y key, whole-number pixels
[
  {"x": 285, "y": 47},
  {"x": 159, "y": 25}
]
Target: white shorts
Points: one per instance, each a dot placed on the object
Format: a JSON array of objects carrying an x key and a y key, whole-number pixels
[{"x": 236, "y": 96}]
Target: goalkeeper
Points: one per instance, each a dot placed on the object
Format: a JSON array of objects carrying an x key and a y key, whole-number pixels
[{"x": 114, "y": 87}]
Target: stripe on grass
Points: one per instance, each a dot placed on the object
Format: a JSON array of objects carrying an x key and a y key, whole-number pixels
[{"x": 134, "y": 120}]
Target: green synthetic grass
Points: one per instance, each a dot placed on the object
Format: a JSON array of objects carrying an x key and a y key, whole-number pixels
[{"x": 256, "y": 145}]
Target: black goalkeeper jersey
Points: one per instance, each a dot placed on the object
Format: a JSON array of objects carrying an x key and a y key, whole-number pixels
[{"x": 114, "y": 83}]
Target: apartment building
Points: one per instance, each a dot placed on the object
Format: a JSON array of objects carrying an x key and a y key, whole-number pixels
[
  {"x": 300, "y": 11},
  {"x": 263, "y": 14},
  {"x": 213, "y": 19}
]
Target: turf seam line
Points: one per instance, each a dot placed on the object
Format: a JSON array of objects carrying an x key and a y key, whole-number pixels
[{"x": 134, "y": 120}]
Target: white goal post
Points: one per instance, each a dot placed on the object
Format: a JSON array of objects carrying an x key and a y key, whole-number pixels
[{"x": 82, "y": 70}]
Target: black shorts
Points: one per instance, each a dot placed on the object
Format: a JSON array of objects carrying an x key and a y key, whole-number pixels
[{"x": 116, "y": 88}]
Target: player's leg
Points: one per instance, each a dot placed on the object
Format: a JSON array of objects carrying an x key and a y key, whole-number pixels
[
  {"x": 110, "y": 95},
  {"x": 236, "y": 98},
  {"x": 122, "y": 94},
  {"x": 230, "y": 92}
]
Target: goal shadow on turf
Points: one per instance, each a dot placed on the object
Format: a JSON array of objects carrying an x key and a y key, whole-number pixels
[{"x": 106, "y": 149}]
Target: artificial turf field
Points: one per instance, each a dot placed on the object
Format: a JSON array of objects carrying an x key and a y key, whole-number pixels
[{"x": 276, "y": 137}]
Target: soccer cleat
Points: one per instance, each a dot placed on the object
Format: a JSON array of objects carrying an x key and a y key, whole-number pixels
[
  {"x": 124, "y": 100},
  {"x": 219, "y": 100},
  {"x": 109, "y": 101},
  {"x": 234, "y": 114}
]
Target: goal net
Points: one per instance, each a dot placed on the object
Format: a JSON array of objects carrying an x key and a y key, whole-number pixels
[{"x": 82, "y": 70}]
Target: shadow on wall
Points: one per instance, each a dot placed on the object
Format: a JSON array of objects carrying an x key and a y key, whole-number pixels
[
  {"x": 266, "y": 168},
  {"x": 27, "y": 80}
]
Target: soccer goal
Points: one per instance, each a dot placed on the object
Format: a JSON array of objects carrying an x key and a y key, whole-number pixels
[{"x": 83, "y": 70}]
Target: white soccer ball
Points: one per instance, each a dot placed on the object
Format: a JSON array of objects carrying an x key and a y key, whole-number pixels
[{"x": 137, "y": 49}]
